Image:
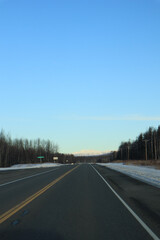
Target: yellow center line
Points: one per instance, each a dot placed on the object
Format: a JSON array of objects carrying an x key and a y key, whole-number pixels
[{"x": 19, "y": 206}]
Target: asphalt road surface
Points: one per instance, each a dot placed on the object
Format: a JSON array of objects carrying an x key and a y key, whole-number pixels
[{"x": 76, "y": 202}]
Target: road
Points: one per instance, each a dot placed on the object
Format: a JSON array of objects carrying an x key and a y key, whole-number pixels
[{"x": 74, "y": 202}]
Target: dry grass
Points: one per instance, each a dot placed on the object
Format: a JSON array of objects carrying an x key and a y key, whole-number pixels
[{"x": 151, "y": 163}]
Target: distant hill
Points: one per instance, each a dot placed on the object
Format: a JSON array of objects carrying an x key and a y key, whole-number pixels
[{"x": 89, "y": 153}]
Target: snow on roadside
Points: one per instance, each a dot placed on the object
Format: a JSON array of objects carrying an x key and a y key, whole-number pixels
[
  {"x": 35, "y": 165},
  {"x": 145, "y": 174}
]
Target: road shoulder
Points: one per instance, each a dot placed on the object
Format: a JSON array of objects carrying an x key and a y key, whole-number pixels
[{"x": 143, "y": 198}]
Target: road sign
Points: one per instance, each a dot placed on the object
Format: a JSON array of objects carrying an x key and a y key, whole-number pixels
[
  {"x": 55, "y": 158},
  {"x": 40, "y": 157}
]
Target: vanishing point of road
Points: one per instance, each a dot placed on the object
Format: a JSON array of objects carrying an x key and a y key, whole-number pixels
[{"x": 77, "y": 202}]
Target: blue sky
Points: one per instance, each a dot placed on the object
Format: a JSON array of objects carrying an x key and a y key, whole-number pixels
[{"x": 83, "y": 73}]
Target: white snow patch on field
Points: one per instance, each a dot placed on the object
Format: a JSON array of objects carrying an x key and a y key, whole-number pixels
[
  {"x": 35, "y": 165},
  {"x": 145, "y": 174}
]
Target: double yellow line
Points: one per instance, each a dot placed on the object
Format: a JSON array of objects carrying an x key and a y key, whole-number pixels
[{"x": 19, "y": 206}]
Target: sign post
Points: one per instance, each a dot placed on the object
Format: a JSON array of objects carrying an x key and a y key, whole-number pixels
[
  {"x": 55, "y": 159},
  {"x": 40, "y": 157}
]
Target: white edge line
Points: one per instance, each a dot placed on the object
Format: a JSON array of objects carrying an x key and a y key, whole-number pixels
[
  {"x": 152, "y": 234},
  {"x": 20, "y": 179}
]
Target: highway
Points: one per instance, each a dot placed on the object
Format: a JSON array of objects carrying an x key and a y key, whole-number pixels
[{"x": 79, "y": 202}]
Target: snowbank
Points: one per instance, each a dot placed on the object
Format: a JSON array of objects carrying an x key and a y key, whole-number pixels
[
  {"x": 26, "y": 166},
  {"x": 145, "y": 174}
]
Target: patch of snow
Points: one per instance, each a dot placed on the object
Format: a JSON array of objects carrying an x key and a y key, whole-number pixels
[
  {"x": 30, "y": 165},
  {"x": 145, "y": 174}
]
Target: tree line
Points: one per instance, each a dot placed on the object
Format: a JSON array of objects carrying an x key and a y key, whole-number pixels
[
  {"x": 146, "y": 146},
  {"x": 18, "y": 151}
]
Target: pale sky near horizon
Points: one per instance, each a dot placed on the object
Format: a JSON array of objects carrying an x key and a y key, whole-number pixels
[{"x": 83, "y": 73}]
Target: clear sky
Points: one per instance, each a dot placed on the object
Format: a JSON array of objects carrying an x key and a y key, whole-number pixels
[{"x": 83, "y": 73}]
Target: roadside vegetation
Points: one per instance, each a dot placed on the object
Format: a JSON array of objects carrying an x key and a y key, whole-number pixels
[
  {"x": 145, "y": 147},
  {"x": 145, "y": 150},
  {"x": 20, "y": 151}
]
